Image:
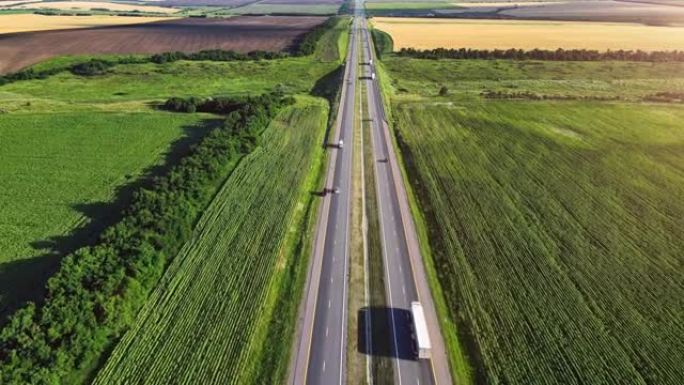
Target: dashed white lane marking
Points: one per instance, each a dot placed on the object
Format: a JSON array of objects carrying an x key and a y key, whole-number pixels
[
  {"x": 403, "y": 290},
  {"x": 324, "y": 365},
  {"x": 328, "y": 304},
  {"x": 331, "y": 279},
  {"x": 326, "y": 332}
]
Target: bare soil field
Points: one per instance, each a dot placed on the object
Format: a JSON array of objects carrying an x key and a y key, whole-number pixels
[
  {"x": 31, "y": 22},
  {"x": 601, "y": 10},
  {"x": 243, "y": 34},
  {"x": 7, "y": 3},
  {"x": 88, "y": 5},
  {"x": 503, "y": 34}
]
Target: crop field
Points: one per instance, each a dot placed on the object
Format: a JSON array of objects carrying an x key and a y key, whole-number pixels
[
  {"x": 555, "y": 226},
  {"x": 503, "y": 34},
  {"x": 30, "y": 22},
  {"x": 89, "y": 5},
  {"x": 243, "y": 34},
  {"x": 51, "y": 187},
  {"x": 233, "y": 287}
]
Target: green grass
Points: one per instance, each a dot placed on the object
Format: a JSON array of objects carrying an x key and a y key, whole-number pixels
[
  {"x": 554, "y": 228},
  {"x": 297, "y": 9},
  {"x": 468, "y": 78},
  {"x": 198, "y": 327},
  {"x": 419, "y": 5},
  {"x": 155, "y": 82}
]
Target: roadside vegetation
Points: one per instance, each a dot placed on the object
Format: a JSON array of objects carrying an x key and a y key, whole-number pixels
[
  {"x": 552, "y": 222},
  {"x": 160, "y": 223}
]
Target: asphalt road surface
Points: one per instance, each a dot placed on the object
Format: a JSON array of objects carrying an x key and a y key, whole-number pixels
[
  {"x": 320, "y": 353},
  {"x": 320, "y": 356}
]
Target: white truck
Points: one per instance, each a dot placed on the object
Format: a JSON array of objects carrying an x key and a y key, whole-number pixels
[
  {"x": 340, "y": 144},
  {"x": 372, "y": 75},
  {"x": 421, "y": 330}
]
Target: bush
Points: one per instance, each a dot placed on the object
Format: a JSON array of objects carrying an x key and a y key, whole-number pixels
[
  {"x": 91, "y": 68},
  {"x": 307, "y": 44}
]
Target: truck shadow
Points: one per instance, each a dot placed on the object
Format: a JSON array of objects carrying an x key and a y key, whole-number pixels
[{"x": 376, "y": 336}]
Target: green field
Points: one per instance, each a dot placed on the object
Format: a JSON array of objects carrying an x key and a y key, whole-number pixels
[
  {"x": 406, "y": 8},
  {"x": 290, "y": 9},
  {"x": 555, "y": 228},
  {"x": 75, "y": 148},
  {"x": 59, "y": 170},
  {"x": 197, "y": 327}
]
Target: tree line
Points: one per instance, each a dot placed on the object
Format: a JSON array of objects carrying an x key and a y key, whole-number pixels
[
  {"x": 541, "y": 54},
  {"x": 307, "y": 44},
  {"x": 98, "y": 290}
]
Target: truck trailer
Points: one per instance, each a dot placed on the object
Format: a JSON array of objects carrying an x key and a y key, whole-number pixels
[{"x": 421, "y": 330}]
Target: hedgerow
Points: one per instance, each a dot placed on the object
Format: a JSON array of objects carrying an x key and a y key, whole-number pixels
[{"x": 540, "y": 54}]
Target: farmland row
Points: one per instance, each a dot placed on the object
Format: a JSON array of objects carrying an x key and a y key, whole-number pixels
[{"x": 224, "y": 301}]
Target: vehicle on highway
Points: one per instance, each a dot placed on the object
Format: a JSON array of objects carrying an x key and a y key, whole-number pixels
[
  {"x": 372, "y": 75},
  {"x": 340, "y": 144},
  {"x": 420, "y": 328}
]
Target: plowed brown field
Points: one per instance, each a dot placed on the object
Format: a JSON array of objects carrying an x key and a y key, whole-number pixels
[{"x": 241, "y": 34}]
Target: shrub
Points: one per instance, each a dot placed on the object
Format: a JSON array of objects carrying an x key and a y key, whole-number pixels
[{"x": 91, "y": 68}]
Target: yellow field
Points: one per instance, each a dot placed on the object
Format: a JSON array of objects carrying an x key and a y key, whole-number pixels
[
  {"x": 489, "y": 34},
  {"x": 31, "y": 22},
  {"x": 87, "y": 5}
]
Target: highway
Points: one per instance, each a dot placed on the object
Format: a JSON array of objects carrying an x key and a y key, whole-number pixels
[{"x": 319, "y": 352}]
